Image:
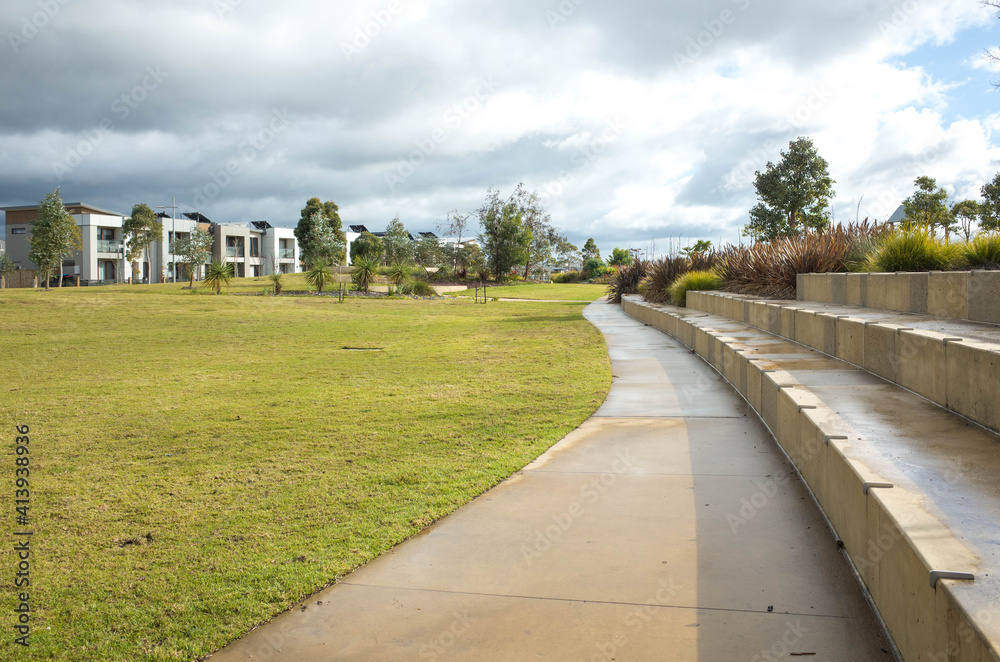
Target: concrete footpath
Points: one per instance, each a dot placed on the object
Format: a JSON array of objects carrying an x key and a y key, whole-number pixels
[{"x": 669, "y": 526}]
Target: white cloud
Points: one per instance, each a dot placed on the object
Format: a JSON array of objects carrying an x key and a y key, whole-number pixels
[{"x": 594, "y": 112}]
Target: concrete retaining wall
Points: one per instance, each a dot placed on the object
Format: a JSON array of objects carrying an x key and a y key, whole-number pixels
[
  {"x": 926, "y": 623},
  {"x": 971, "y": 295},
  {"x": 956, "y": 373}
]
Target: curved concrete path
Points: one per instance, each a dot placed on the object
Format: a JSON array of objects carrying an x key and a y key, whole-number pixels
[{"x": 667, "y": 527}]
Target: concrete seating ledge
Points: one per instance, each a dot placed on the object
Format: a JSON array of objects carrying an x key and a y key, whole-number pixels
[
  {"x": 933, "y": 579},
  {"x": 955, "y": 364},
  {"x": 968, "y": 295}
]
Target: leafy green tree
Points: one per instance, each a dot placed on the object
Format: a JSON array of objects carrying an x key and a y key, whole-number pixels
[
  {"x": 193, "y": 251},
  {"x": 54, "y": 236},
  {"x": 989, "y": 210},
  {"x": 318, "y": 275},
  {"x": 590, "y": 250},
  {"x": 505, "y": 236},
  {"x": 398, "y": 246},
  {"x": 364, "y": 271},
  {"x": 564, "y": 252},
  {"x": 218, "y": 274},
  {"x": 539, "y": 225},
  {"x": 966, "y": 213},
  {"x": 367, "y": 245},
  {"x": 928, "y": 207},
  {"x": 620, "y": 257},
  {"x": 428, "y": 252},
  {"x": 453, "y": 227},
  {"x": 700, "y": 246},
  {"x": 6, "y": 264},
  {"x": 325, "y": 245},
  {"x": 793, "y": 195},
  {"x": 142, "y": 229},
  {"x": 306, "y": 231}
]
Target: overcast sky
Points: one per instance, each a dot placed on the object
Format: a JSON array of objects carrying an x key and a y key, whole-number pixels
[{"x": 635, "y": 120}]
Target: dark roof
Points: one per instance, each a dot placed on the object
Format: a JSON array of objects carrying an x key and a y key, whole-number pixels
[
  {"x": 196, "y": 216},
  {"x": 358, "y": 228},
  {"x": 261, "y": 225},
  {"x": 428, "y": 235},
  {"x": 68, "y": 205}
]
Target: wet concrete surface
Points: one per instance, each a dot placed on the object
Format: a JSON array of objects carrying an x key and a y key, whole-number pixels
[{"x": 669, "y": 526}]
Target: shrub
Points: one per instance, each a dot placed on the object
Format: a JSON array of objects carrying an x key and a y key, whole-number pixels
[
  {"x": 418, "y": 288},
  {"x": 567, "y": 277},
  {"x": 911, "y": 249},
  {"x": 982, "y": 252},
  {"x": 594, "y": 268},
  {"x": 625, "y": 280},
  {"x": 693, "y": 281},
  {"x": 442, "y": 274}
]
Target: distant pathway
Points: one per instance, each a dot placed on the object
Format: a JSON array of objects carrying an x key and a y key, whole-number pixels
[{"x": 666, "y": 527}]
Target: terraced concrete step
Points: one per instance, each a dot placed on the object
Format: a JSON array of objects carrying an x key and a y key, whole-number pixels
[
  {"x": 969, "y": 295},
  {"x": 911, "y": 489},
  {"x": 953, "y": 363}
]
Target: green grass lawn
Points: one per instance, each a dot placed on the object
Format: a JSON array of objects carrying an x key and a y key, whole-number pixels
[
  {"x": 545, "y": 291},
  {"x": 201, "y": 463}
]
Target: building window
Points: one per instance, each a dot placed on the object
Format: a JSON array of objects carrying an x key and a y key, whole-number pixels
[
  {"x": 234, "y": 246},
  {"x": 254, "y": 247},
  {"x": 105, "y": 234},
  {"x": 17, "y": 231}
]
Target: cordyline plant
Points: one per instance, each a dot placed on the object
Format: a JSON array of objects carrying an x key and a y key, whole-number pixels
[
  {"x": 661, "y": 274},
  {"x": 625, "y": 280},
  {"x": 769, "y": 269}
]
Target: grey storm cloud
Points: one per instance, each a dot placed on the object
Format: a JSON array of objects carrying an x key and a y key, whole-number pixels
[{"x": 243, "y": 110}]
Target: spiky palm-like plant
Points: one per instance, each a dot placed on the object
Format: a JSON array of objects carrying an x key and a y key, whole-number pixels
[
  {"x": 319, "y": 275},
  {"x": 276, "y": 282},
  {"x": 365, "y": 272},
  {"x": 218, "y": 274},
  {"x": 398, "y": 274}
]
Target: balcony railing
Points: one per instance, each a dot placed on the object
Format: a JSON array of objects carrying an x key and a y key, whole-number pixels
[
  {"x": 109, "y": 246},
  {"x": 234, "y": 251},
  {"x": 286, "y": 253}
]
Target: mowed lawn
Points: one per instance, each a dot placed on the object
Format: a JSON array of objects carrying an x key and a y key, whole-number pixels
[
  {"x": 201, "y": 463},
  {"x": 544, "y": 291}
]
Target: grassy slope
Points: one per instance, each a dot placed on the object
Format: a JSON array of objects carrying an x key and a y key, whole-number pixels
[
  {"x": 543, "y": 291},
  {"x": 263, "y": 459}
]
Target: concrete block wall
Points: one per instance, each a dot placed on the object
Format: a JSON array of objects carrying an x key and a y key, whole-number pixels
[
  {"x": 893, "y": 541},
  {"x": 971, "y": 295},
  {"x": 956, "y": 373}
]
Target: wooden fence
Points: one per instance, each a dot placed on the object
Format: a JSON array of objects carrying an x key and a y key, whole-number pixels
[{"x": 19, "y": 278}]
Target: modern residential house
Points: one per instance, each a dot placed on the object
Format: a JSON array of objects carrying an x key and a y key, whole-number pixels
[
  {"x": 254, "y": 249},
  {"x": 278, "y": 247},
  {"x": 102, "y": 257}
]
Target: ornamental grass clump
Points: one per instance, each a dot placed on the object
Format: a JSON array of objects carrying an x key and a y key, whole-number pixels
[
  {"x": 912, "y": 249},
  {"x": 693, "y": 281},
  {"x": 626, "y": 280},
  {"x": 982, "y": 252},
  {"x": 417, "y": 288}
]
